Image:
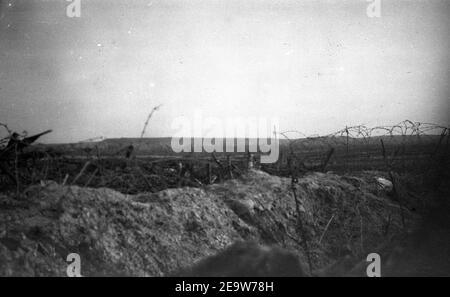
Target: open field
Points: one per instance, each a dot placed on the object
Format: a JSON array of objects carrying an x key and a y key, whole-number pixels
[{"x": 152, "y": 166}]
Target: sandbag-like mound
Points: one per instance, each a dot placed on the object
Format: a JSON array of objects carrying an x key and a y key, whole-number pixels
[{"x": 155, "y": 234}]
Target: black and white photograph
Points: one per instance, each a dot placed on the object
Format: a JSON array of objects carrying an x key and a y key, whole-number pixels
[{"x": 200, "y": 141}]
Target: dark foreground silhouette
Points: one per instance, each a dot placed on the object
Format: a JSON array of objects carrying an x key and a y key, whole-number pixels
[{"x": 247, "y": 259}]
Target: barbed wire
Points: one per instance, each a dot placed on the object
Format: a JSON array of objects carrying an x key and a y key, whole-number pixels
[
  {"x": 363, "y": 134},
  {"x": 404, "y": 128}
]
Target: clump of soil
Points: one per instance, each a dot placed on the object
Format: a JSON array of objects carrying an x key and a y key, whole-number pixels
[{"x": 154, "y": 234}]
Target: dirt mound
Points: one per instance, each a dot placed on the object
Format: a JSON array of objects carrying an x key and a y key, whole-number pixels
[{"x": 153, "y": 234}]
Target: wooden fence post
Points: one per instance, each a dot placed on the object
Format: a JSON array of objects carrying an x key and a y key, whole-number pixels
[
  {"x": 209, "y": 172},
  {"x": 249, "y": 161},
  {"x": 229, "y": 166}
]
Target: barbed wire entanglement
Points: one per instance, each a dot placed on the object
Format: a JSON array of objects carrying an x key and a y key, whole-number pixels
[{"x": 405, "y": 147}]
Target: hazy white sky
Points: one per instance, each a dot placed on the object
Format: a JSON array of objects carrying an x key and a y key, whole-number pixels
[{"x": 316, "y": 65}]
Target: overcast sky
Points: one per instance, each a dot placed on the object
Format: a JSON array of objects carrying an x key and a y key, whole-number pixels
[{"x": 316, "y": 65}]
